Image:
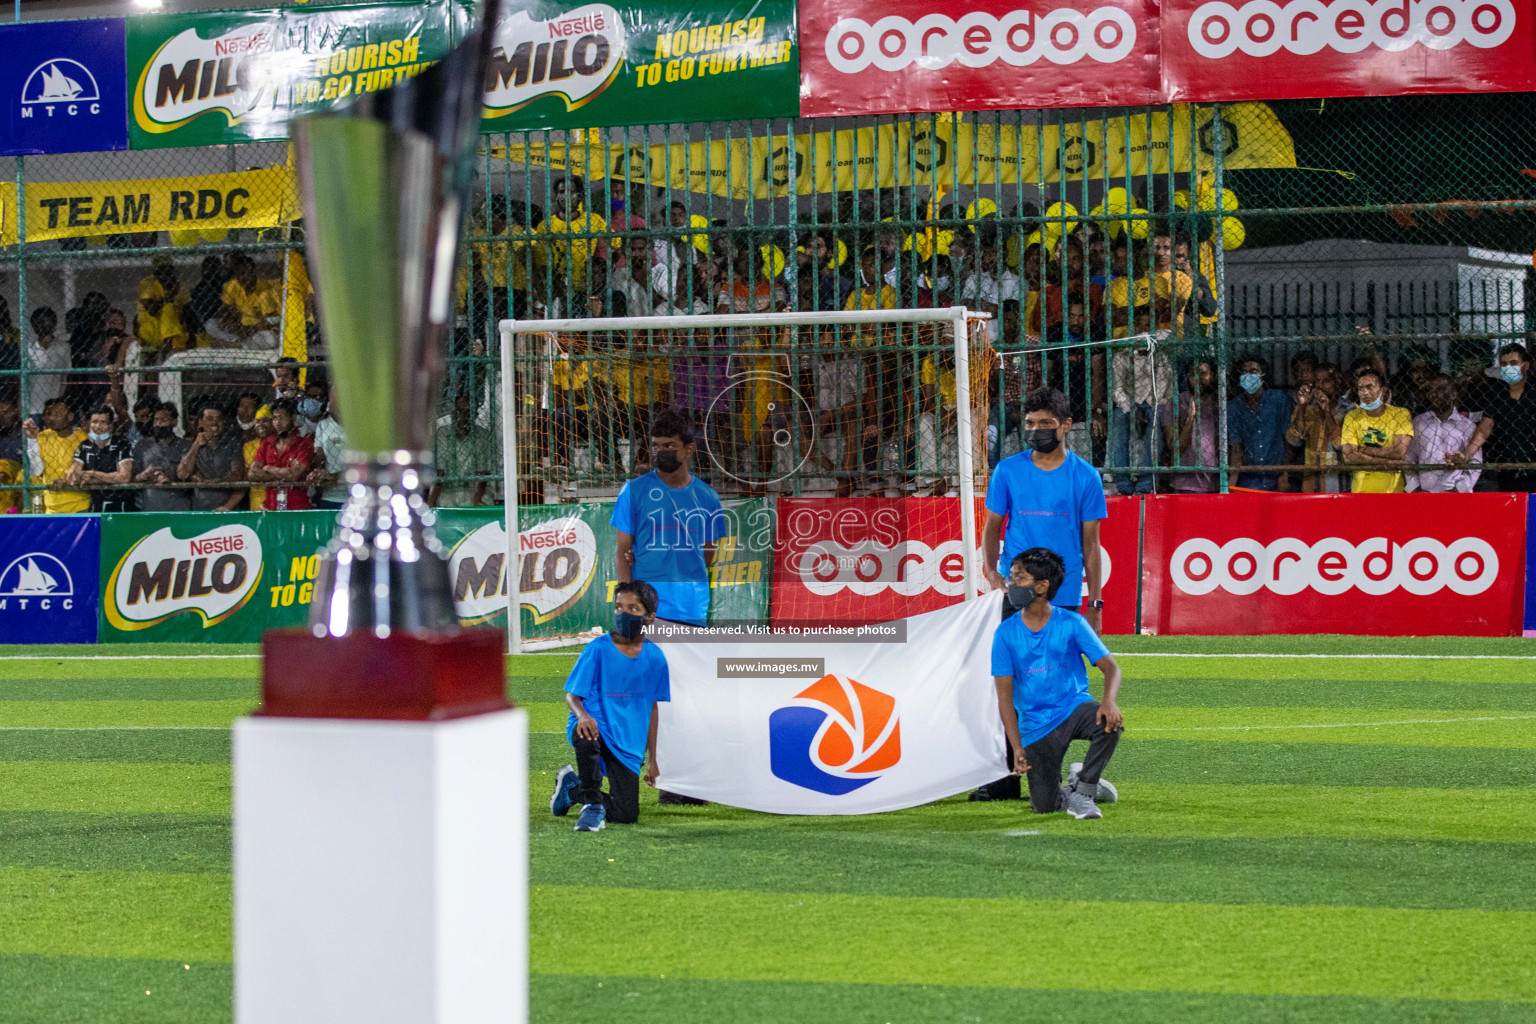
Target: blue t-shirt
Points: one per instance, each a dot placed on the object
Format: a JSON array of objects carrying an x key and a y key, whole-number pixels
[
  {"x": 618, "y": 692},
  {"x": 1049, "y": 679},
  {"x": 670, "y": 526},
  {"x": 1047, "y": 509},
  {"x": 1261, "y": 433}
]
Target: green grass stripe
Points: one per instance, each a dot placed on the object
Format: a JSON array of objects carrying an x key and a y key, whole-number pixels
[
  {"x": 670, "y": 851},
  {"x": 95, "y": 990},
  {"x": 1219, "y": 763},
  {"x": 114, "y": 788},
  {"x": 99, "y": 842},
  {"x": 138, "y": 686},
  {"x": 1350, "y": 951},
  {"x": 1404, "y": 669},
  {"x": 96, "y": 714},
  {"x": 182, "y": 746},
  {"x": 573, "y": 999},
  {"x": 1323, "y": 692},
  {"x": 547, "y": 717},
  {"x": 136, "y": 914},
  {"x": 1432, "y": 727}
]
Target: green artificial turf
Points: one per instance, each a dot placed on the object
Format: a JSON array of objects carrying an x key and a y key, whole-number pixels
[{"x": 1300, "y": 840}]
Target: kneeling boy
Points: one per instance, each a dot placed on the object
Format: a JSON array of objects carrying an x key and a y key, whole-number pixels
[
  {"x": 612, "y": 692},
  {"x": 1042, "y": 690}
]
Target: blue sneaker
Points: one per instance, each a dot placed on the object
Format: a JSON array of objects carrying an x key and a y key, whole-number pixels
[
  {"x": 566, "y": 784},
  {"x": 594, "y": 817}
]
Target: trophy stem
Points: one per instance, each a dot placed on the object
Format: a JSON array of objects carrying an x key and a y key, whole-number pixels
[{"x": 385, "y": 571}]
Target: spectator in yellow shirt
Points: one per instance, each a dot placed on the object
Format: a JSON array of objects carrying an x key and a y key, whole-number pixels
[
  {"x": 1376, "y": 435},
  {"x": 251, "y": 308},
  {"x": 162, "y": 299},
  {"x": 261, "y": 431},
  {"x": 52, "y": 452},
  {"x": 571, "y": 259}
]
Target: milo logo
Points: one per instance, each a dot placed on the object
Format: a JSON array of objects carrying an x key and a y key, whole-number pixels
[
  {"x": 557, "y": 560},
  {"x": 212, "y": 575},
  {"x": 191, "y": 75},
  {"x": 575, "y": 55}
]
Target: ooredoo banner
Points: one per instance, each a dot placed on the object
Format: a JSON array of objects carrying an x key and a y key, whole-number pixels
[
  {"x": 1262, "y": 49},
  {"x": 867, "y": 57},
  {"x": 862, "y": 560},
  {"x": 1383, "y": 564}
]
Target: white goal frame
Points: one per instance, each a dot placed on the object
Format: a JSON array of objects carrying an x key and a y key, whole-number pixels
[{"x": 965, "y": 454}]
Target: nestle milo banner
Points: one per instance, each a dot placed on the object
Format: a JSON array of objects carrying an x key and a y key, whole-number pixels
[
  {"x": 570, "y": 65},
  {"x": 566, "y": 567},
  {"x": 208, "y": 576},
  {"x": 238, "y": 76}
]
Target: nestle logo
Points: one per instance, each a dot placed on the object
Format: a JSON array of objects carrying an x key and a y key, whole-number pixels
[
  {"x": 551, "y": 539},
  {"x": 216, "y": 545},
  {"x": 575, "y": 26},
  {"x": 242, "y": 44}
]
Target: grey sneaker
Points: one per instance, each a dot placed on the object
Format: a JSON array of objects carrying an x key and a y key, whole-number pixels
[
  {"x": 1081, "y": 805},
  {"x": 1107, "y": 793}
]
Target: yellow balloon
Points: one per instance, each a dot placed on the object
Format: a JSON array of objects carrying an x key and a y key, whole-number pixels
[
  {"x": 1228, "y": 200},
  {"x": 186, "y": 236},
  {"x": 773, "y": 260},
  {"x": 1117, "y": 200},
  {"x": 1233, "y": 235},
  {"x": 981, "y": 208},
  {"x": 842, "y": 253},
  {"x": 1181, "y": 200},
  {"x": 1062, "y": 210},
  {"x": 700, "y": 242},
  {"x": 1140, "y": 229},
  {"x": 214, "y": 235}
]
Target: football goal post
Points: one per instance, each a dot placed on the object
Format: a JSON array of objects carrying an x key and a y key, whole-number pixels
[{"x": 869, "y": 406}]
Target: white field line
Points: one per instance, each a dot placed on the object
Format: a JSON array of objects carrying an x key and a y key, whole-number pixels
[{"x": 1340, "y": 725}]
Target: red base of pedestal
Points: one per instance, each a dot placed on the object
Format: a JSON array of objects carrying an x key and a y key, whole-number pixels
[{"x": 407, "y": 678}]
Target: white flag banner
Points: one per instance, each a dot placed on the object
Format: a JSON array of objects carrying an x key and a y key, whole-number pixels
[{"x": 861, "y": 728}]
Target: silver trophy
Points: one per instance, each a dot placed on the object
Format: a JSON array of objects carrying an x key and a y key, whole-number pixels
[{"x": 384, "y": 182}]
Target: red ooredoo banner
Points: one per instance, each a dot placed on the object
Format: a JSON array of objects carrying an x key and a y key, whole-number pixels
[
  {"x": 863, "y": 57},
  {"x": 867, "y": 57},
  {"x": 1262, "y": 50},
  {"x": 861, "y": 560},
  {"x": 1383, "y": 564}
]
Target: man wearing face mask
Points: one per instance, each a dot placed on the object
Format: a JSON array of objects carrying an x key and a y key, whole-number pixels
[
  {"x": 158, "y": 460},
  {"x": 283, "y": 460},
  {"x": 1438, "y": 434},
  {"x": 1376, "y": 435},
  {"x": 1256, "y": 423},
  {"x": 1049, "y": 498},
  {"x": 104, "y": 458},
  {"x": 1508, "y": 426}
]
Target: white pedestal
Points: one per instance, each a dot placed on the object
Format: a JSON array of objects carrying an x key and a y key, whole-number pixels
[{"x": 381, "y": 871}]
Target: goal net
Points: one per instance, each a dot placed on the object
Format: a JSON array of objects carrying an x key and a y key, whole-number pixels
[{"x": 847, "y": 449}]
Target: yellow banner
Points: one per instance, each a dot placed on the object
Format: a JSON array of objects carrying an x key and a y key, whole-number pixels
[
  {"x": 946, "y": 150},
  {"x": 248, "y": 199}
]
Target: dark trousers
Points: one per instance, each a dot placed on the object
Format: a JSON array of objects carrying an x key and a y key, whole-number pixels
[
  {"x": 593, "y": 759},
  {"x": 1009, "y": 787},
  {"x": 1046, "y": 754}
]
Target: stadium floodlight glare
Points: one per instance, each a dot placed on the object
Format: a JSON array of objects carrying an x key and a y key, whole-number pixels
[{"x": 510, "y": 330}]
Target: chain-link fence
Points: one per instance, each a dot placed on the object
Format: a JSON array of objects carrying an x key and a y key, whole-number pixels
[{"x": 1204, "y": 284}]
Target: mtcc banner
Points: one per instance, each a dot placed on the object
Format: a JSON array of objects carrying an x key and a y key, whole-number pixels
[
  {"x": 48, "y": 579},
  {"x": 61, "y": 86},
  {"x": 836, "y": 728}
]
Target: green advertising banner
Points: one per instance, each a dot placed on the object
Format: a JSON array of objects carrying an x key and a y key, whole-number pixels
[
  {"x": 743, "y": 564},
  {"x": 209, "y": 576},
  {"x": 239, "y": 76},
  {"x": 567, "y": 65}
]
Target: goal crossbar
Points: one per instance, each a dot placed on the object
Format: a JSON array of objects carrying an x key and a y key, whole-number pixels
[{"x": 509, "y": 329}]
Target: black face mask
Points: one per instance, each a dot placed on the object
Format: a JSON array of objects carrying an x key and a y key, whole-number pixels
[
  {"x": 1020, "y": 597},
  {"x": 626, "y": 625},
  {"x": 668, "y": 461},
  {"x": 165, "y": 432},
  {"x": 1043, "y": 440}
]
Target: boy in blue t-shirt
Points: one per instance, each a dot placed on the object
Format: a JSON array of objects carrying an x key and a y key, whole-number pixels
[
  {"x": 1042, "y": 691},
  {"x": 612, "y": 692},
  {"x": 667, "y": 523}
]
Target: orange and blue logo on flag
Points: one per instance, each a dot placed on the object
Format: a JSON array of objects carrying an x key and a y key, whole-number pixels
[{"x": 838, "y": 736}]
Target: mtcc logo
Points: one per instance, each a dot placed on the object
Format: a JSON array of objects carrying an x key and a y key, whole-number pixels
[
  {"x": 60, "y": 86},
  {"x": 36, "y": 580},
  {"x": 1376, "y": 566},
  {"x": 837, "y": 737}
]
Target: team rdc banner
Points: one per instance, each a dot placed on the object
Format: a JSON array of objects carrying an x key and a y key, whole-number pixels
[
  {"x": 1373, "y": 564},
  {"x": 836, "y": 727},
  {"x": 857, "y": 560}
]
